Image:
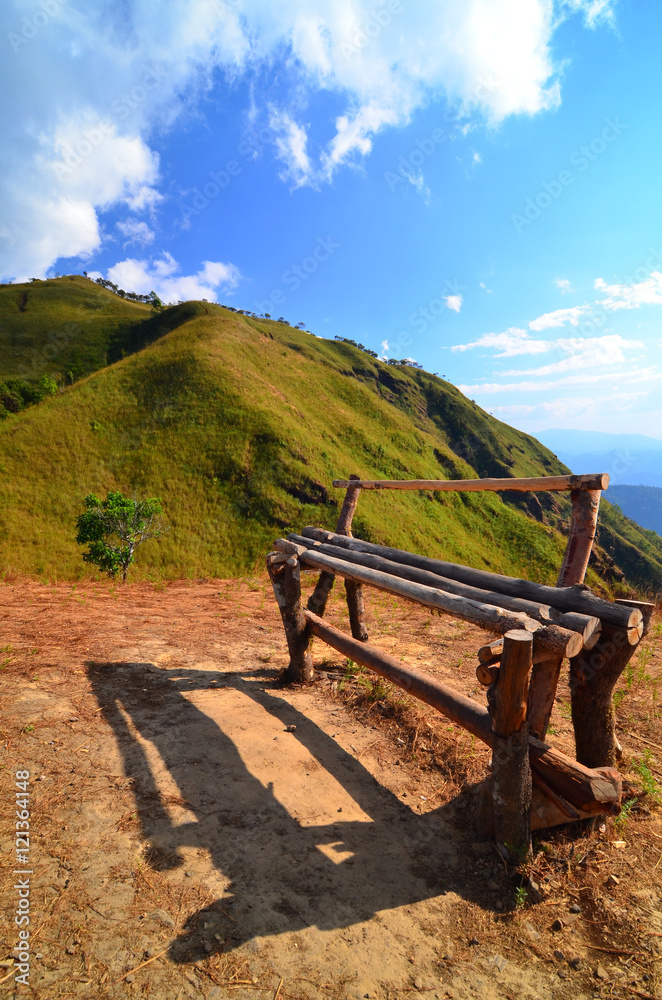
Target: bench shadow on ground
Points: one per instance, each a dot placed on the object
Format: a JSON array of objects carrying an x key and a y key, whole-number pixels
[{"x": 278, "y": 877}]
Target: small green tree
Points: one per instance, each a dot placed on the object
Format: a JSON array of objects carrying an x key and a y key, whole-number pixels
[
  {"x": 114, "y": 528},
  {"x": 47, "y": 386}
]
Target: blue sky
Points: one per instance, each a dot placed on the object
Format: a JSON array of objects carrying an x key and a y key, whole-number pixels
[{"x": 470, "y": 183}]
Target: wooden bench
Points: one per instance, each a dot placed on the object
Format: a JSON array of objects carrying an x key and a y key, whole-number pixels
[{"x": 531, "y": 784}]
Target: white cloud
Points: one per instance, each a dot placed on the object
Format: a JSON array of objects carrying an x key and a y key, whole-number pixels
[
  {"x": 563, "y": 284},
  {"x": 515, "y": 410},
  {"x": 136, "y": 232},
  {"x": 559, "y": 317},
  {"x": 354, "y": 135},
  {"x": 643, "y": 293},
  {"x": 595, "y": 12},
  {"x": 160, "y": 275},
  {"x": 635, "y": 375},
  {"x": 417, "y": 180},
  {"x": 454, "y": 302},
  {"x": 485, "y": 288},
  {"x": 580, "y": 352},
  {"x": 144, "y": 198},
  {"x": 91, "y": 85},
  {"x": 509, "y": 344},
  {"x": 565, "y": 408},
  {"x": 585, "y": 353},
  {"x": 290, "y": 144},
  {"x": 571, "y": 407}
]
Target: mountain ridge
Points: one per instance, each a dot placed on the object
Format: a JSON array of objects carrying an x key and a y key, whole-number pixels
[{"x": 241, "y": 423}]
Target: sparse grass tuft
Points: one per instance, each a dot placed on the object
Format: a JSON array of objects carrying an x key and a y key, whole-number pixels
[
  {"x": 621, "y": 820},
  {"x": 521, "y": 896},
  {"x": 641, "y": 765}
]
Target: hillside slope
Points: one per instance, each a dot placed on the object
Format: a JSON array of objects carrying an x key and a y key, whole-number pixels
[
  {"x": 64, "y": 326},
  {"x": 240, "y": 424}
]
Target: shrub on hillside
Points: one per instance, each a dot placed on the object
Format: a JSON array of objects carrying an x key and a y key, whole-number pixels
[
  {"x": 114, "y": 528},
  {"x": 18, "y": 393}
]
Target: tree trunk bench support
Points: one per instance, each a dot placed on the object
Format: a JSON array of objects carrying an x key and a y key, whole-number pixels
[
  {"x": 353, "y": 589},
  {"x": 285, "y": 575},
  {"x": 511, "y": 773},
  {"x": 593, "y": 677},
  {"x": 594, "y": 673},
  {"x": 531, "y": 784}
]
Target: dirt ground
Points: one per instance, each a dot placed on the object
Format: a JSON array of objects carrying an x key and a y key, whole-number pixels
[{"x": 199, "y": 831}]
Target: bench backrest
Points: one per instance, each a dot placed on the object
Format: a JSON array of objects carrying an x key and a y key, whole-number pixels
[{"x": 585, "y": 493}]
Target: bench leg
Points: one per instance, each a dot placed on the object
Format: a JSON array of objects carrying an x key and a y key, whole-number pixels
[
  {"x": 583, "y": 525},
  {"x": 355, "y": 603},
  {"x": 320, "y": 595},
  {"x": 285, "y": 578},
  {"x": 511, "y": 794},
  {"x": 511, "y": 771},
  {"x": 356, "y": 609},
  {"x": 593, "y": 676},
  {"x": 542, "y": 691}
]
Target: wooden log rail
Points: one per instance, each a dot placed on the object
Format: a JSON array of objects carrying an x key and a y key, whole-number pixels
[
  {"x": 575, "y": 599},
  {"x": 575, "y": 789},
  {"x": 599, "y": 481},
  {"x": 552, "y": 637},
  {"x": 586, "y": 625}
]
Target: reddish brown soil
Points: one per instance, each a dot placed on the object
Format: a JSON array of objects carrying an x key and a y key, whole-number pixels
[{"x": 175, "y": 820}]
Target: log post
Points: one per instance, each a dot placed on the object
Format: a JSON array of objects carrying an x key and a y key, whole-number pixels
[
  {"x": 511, "y": 771},
  {"x": 285, "y": 575},
  {"x": 583, "y": 525},
  {"x": 593, "y": 676},
  {"x": 356, "y": 609},
  {"x": 542, "y": 691},
  {"x": 354, "y": 590}
]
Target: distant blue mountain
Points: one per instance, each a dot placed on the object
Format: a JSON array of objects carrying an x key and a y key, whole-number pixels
[
  {"x": 642, "y": 504},
  {"x": 630, "y": 459}
]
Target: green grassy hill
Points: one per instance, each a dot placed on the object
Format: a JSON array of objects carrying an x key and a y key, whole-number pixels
[{"x": 240, "y": 424}]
